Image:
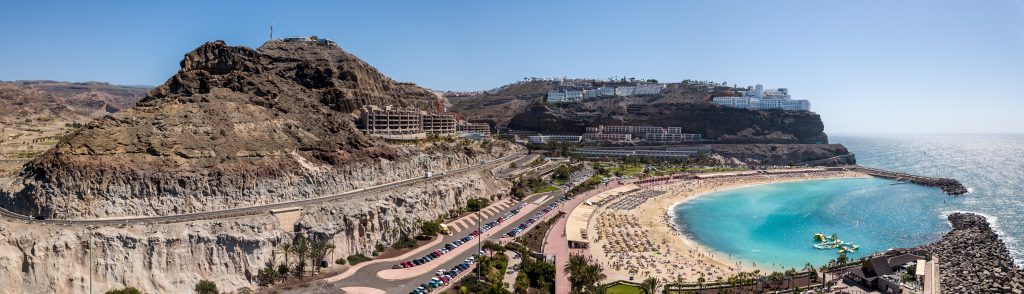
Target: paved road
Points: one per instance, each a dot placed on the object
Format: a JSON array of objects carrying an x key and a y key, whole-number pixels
[
  {"x": 367, "y": 276},
  {"x": 242, "y": 211}
]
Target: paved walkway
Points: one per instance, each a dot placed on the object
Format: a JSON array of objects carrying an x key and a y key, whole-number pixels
[
  {"x": 556, "y": 245},
  {"x": 510, "y": 274}
]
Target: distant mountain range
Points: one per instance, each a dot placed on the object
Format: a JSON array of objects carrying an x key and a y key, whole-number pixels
[{"x": 20, "y": 100}]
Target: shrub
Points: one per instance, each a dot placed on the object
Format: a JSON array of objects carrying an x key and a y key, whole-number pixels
[
  {"x": 127, "y": 290},
  {"x": 404, "y": 242},
  {"x": 206, "y": 287},
  {"x": 357, "y": 258},
  {"x": 340, "y": 261}
]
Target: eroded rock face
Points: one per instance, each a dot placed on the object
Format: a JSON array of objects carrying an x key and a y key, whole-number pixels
[
  {"x": 782, "y": 154},
  {"x": 972, "y": 258},
  {"x": 236, "y": 127},
  {"x": 171, "y": 258}
]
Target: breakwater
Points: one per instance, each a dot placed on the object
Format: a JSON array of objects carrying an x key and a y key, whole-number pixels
[
  {"x": 949, "y": 186},
  {"x": 972, "y": 258}
]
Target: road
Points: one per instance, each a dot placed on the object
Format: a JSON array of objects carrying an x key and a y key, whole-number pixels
[
  {"x": 368, "y": 276},
  {"x": 259, "y": 209}
]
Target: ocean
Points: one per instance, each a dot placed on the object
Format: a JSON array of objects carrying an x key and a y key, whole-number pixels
[{"x": 772, "y": 225}]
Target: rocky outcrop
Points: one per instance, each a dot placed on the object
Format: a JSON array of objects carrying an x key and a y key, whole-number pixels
[
  {"x": 784, "y": 154},
  {"x": 972, "y": 259},
  {"x": 521, "y": 107},
  {"x": 171, "y": 258},
  {"x": 236, "y": 127}
]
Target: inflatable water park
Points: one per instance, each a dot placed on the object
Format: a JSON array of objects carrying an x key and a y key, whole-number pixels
[{"x": 833, "y": 242}]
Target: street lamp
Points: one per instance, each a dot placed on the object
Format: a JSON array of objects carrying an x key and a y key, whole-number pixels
[{"x": 479, "y": 244}]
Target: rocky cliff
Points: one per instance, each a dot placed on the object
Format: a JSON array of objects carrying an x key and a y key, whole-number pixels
[
  {"x": 171, "y": 258},
  {"x": 783, "y": 154},
  {"x": 521, "y": 107},
  {"x": 236, "y": 127}
]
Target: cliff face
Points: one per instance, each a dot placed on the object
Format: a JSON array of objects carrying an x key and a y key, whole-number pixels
[
  {"x": 521, "y": 107},
  {"x": 171, "y": 258},
  {"x": 783, "y": 154},
  {"x": 236, "y": 127}
]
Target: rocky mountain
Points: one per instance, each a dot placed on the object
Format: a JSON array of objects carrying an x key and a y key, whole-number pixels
[
  {"x": 236, "y": 127},
  {"x": 20, "y": 100},
  {"x": 521, "y": 106}
]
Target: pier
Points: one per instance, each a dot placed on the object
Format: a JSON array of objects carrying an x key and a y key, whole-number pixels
[{"x": 949, "y": 186}]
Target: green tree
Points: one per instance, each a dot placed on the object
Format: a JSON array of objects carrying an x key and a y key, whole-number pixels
[
  {"x": 583, "y": 274},
  {"x": 430, "y": 228},
  {"x": 266, "y": 277},
  {"x": 790, "y": 275},
  {"x": 522, "y": 283},
  {"x": 651, "y": 285},
  {"x": 476, "y": 204},
  {"x": 206, "y": 287},
  {"x": 300, "y": 247},
  {"x": 318, "y": 250},
  {"x": 282, "y": 271},
  {"x": 126, "y": 290}
]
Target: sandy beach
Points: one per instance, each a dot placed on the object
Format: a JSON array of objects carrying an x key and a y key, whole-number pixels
[{"x": 636, "y": 238}]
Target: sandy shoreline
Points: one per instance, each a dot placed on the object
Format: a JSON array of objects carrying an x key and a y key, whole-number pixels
[{"x": 674, "y": 256}]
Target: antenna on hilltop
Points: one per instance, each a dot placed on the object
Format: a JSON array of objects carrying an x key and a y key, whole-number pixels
[{"x": 271, "y": 31}]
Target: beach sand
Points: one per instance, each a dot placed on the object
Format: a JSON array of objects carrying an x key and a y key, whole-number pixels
[{"x": 670, "y": 256}]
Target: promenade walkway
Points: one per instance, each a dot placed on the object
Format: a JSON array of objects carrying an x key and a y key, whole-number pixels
[{"x": 557, "y": 247}]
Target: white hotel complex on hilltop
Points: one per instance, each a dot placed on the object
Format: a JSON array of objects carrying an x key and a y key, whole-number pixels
[
  {"x": 758, "y": 98},
  {"x": 575, "y": 95}
]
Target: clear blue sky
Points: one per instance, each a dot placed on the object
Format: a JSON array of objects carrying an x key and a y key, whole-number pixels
[{"x": 867, "y": 66}]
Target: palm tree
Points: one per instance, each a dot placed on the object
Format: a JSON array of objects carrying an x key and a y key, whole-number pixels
[
  {"x": 842, "y": 259},
  {"x": 651, "y": 285},
  {"x": 582, "y": 273},
  {"x": 318, "y": 248},
  {"x": 301, "y": 249},
  {"x": 701, "y": 280},
  {"x": 791, "y": 273},
  {"x": 286, "y": 248},
  {"x": 808, "y": 267}
]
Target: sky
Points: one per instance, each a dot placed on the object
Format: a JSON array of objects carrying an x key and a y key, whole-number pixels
[{"x": 867, "y": 66}]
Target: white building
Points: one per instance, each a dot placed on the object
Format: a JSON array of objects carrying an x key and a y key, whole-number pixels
[
  {"x": 757, "y": 98},
  {"x": 648, "y": 89},
  {"x": 565, "y": 96},
  {"x": 672, "y": 137},
  {"x": 541, "y": 139},
  {"x": 600, "y": 92},
  {"x": 625, "y": 91},
  {"x": 607, "y": 137}
]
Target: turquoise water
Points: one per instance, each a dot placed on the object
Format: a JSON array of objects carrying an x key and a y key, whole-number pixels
[{"x": 772, "y": 225}]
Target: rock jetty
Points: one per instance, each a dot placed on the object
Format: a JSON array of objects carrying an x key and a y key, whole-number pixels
[
  {"x": 949, "y": 186},
  {"x": 972, "y": 259}
]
